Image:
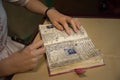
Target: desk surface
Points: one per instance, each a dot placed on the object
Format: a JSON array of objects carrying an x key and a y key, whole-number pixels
[{"x": 105, "y": 34}]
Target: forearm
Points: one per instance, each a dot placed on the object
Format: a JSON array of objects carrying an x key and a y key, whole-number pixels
[
  {"x": 6, "y": 68},
  {"x": 36, "y": 6}
]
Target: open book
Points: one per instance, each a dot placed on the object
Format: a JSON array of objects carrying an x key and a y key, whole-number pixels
[{"x": 68, "y": 52}]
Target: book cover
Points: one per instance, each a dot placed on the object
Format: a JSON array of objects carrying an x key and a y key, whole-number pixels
[{"x": 66, "y": 53}]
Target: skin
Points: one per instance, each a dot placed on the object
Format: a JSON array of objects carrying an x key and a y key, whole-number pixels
[
  {"x": 23, "y": 60},
  {"x": 61, "y": 21},
  {"x": 27, "y": 58}
]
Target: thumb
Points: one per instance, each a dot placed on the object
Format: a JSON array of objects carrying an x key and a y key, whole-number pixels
[{"x": 36, "y": 45}]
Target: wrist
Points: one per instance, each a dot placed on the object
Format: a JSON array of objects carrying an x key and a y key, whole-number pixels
[{"x": 46, "y": 12}]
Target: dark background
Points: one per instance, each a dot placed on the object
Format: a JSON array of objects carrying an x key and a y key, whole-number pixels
[{"x": 89, "y": 8}]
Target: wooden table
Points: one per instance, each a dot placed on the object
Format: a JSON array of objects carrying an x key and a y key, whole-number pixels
[{"x": 105, "y": 34}]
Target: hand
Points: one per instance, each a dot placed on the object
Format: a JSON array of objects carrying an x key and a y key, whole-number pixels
[
  {"x": 25, "y": 59},
  {"x": 29, "y": 57},
  {"x": 61, "y": 21}
]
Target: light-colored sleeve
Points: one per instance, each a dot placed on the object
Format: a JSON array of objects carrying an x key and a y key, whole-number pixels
[{"x": 19, "y": 2}]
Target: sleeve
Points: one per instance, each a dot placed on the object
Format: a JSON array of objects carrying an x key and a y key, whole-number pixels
[{"x": 19, "y": 2}]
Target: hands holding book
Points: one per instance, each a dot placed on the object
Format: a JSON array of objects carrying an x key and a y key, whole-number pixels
[{"x": 28, "y": 57}]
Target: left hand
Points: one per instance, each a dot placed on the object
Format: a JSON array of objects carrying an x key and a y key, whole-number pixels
[{"x": 61, "y": 21}]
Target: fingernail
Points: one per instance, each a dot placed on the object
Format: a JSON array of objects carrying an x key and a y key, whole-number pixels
[
  {"x": 76, "y": 30},
  {"x": 61, "y": 29},
  {"x": 69, "y": 33},
  {"x": 78, "y": 27}
]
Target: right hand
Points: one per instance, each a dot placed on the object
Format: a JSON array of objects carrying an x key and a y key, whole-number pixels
[{"x": 27, "y": 58}]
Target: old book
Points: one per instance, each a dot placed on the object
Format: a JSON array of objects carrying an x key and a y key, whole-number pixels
[{"x": 66, "y": 53}]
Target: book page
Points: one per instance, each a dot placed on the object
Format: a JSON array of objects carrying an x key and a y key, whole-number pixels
[{"x": 51, "y": 35}]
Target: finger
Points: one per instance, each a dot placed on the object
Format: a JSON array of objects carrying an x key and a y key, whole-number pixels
[
  {"x": 77, "y": 23},
  {"x": 36, "y": 45},
  {"x": 65, "y": 25},
  {"x": 58, "y": 26},
  {"x": 73, "y": 25},
  {"x": 39, "y": 51},
  {"x": 66, "y": 28},
  {"x": 36, "y": 59}
]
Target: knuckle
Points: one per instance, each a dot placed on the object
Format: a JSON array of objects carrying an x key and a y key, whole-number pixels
[
  {"x": 71, "y": 20},
  {"x": 32, "y": 54},
  {"x": 62, "y": 19},
  {"x": 54, "y": 22},
  {"x": 29, "y": 48}
]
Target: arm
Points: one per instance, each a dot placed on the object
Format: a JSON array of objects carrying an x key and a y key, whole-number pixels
[
  {"x": 36, "y": 6},
  {"x": 59, "y": 20},
  {"x": 6, "y": 68}
]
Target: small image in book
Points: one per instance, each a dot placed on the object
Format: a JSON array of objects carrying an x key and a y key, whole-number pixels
[
  {"x": 66, "y": 53},
  {"x": 70, "y": 51}
]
